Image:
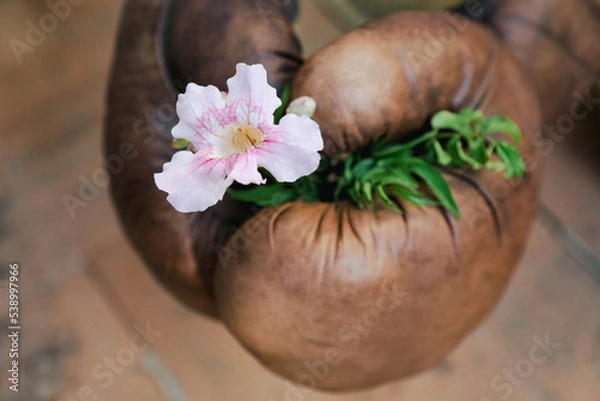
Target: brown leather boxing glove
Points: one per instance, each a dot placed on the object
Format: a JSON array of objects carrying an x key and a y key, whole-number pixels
[
  {"x": 200, "y": 41},
  {"x": 358, "y": 297},
  {"x": 555, "y": 40},
  {"x": 306, "y": 281}
]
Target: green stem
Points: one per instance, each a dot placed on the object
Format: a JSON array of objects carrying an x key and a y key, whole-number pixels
[{"x": 406, "y": 146}]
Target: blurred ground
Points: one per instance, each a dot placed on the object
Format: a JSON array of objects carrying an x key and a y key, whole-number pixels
[{"x": 86, "y": 295}]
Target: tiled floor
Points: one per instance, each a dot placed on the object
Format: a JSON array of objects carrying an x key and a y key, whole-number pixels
[{"x": 86, "y": 294}]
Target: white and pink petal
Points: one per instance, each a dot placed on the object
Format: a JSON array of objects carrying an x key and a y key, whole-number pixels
[
  {"x": 252, "y": 96},
  {"x": 298, "y": 131},
  {"x": 197, "y": 100},
  {"x": 244, "y": 168},
  {"x": 193, "y": 182},
  {"x": 198, "y": 110},
  {"x": 287, "y": 162}
]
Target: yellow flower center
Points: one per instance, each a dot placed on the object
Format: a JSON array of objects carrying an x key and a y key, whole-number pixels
[
  {"x": 235, "y": 139},
  {"x": 246, "y": 137}
]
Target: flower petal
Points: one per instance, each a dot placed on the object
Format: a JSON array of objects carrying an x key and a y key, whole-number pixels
[
  {"x": 245, "y": 168},
  {"x": 291, "y": 149},
  {"x": 298, "y": 131},
  {"x": 252, "y": 96},
  {"x": 197, "y": 109},
  {"x": 193, "y": 182},
  {"x": 197, "y": 100}
]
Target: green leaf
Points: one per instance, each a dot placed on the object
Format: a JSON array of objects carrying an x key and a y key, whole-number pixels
[
  {"x": 496, "y": 166},
  {"x": 465, "y": 157},
  {"x": 413, "y": 197},
  {"x": 399, "y": 177},
  {"x": 385, "y": 199},
  {"x": 478, "y": 150},
  {"x": 180, "y": 143},
  {"x": 443, "y": 157},
  {"x": 430, "y": 154},
  {"x": 367, "y": 190},
  {"x": 393, "y": 161},
  {"x": 436, "y": 182},
  {"x": 471, "y": 115},
  {"x": 387, "y": 176},
  {"x": 511, "y": 157},
  {"x": 348, "y": 167},
  {"x": 467, "y": 113},
  {"x": 285, "y": 102},
  {"x": 352, "y": 194},
  {"x": 376, "y": 174},
  {"x": 362, "y": 168},
  {"x": 401, "y": 148},
  {"x": 265, "y": 195},
  {"x": 450, "y": 121},
  {"x": 474, "y": 117},
  {"x": 503, "y": 125},
  {"x": 356, "y": 194},
  {"x": 452, "y": 146}
]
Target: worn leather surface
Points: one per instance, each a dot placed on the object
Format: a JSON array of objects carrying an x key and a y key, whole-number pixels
[
  {"x": 557, "y": 42},
  {"x": 303, "y": 280},
  {"x": 349, "y": 297}
]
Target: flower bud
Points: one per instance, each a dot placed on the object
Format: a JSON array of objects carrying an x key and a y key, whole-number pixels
[{"x": 302, "y": 106}]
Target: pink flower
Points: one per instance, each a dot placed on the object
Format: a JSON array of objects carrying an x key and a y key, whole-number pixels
[{"x": 234, "y": 134}]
